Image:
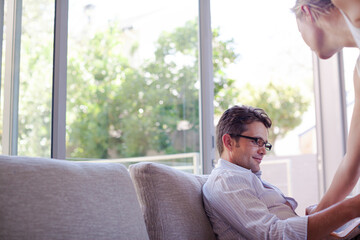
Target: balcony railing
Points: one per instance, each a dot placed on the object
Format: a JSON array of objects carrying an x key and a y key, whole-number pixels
[{"x": 193, "y": 167}]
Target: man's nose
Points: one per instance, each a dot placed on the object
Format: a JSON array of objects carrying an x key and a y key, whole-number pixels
[{"x": 262, "y": 150}]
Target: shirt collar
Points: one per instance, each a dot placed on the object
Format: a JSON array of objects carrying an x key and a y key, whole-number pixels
[{"x": 227, "y": 164}]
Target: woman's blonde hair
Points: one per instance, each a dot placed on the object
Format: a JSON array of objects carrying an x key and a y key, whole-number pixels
[{"x": 317, "y": 7}]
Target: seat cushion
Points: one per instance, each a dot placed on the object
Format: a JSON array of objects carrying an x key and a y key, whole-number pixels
[
  {"x": 56, "y": 199},
  {"x": 171, "y": 201}
]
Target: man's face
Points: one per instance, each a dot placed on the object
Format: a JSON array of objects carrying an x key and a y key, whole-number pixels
[{"x": 246, "y": 152}]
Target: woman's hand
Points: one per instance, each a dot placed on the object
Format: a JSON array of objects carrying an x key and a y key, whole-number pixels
[{"x": 311, "y": 209}]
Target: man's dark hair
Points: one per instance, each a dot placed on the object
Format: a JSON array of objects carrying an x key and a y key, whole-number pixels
[{"x": 235, "y": 121}]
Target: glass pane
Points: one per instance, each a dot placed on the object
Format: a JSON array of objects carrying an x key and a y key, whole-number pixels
[
  {"x": 36, "y": 66},
  {"x": 132, "y": 88},
  {"x": 273, "y": 71}
]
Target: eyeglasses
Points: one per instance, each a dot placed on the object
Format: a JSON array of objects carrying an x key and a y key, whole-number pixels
[{"x": 259, "y": 141}]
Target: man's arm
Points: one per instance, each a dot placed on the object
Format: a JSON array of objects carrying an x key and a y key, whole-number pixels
[{"x": 322, "y": 223}]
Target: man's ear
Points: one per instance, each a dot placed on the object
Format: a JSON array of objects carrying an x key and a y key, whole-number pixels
[
  {"x": 307, "y": 13},
  {"x": 227, "y": 142}
]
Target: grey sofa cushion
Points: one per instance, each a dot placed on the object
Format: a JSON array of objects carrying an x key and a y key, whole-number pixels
[
  {"x": 171, "y": 201},
  {"x": 57, "y": 199}
]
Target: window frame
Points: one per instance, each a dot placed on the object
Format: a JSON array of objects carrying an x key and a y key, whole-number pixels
[
  {"x": 58, "y": 126},
  {"x": 331, "y": 116},
  {"x": 328, "y": 160},
  {"x": 11, "y": 81}
]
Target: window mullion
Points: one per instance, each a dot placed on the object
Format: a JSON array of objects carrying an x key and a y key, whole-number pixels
[
  {"x": 58, "y": 128},
  {"x": 11, "y": 81},
  {"x": 207, "y": 139},
  {"x": 2, "y": 15}
]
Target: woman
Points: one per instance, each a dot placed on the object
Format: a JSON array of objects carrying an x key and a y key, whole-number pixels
[
  {"x": 351, "y": 8},
  {"x": 327, "y": 29}
]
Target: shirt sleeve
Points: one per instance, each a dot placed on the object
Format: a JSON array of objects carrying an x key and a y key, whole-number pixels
[{"x": 234, "y": 200}]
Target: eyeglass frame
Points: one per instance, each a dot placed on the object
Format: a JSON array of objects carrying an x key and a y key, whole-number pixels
[{"x": 268, "y": 145}]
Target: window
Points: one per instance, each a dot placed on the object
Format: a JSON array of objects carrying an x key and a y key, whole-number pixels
[
  {"x": 132, "y": 82},
  {"x": 28, "y": 77},
  {"x": 35, "y": 89},
  {"x": 272, "y": 70}
]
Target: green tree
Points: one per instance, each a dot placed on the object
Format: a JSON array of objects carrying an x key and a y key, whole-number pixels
[
  {"x": 175, "y": 69},
  {"x": 118, "y": 110},
  {"x": 121, "y": 111},
  {"x": 35, "y": 90},
  {"x": 96, "y": 75},
  {"x": 284, "y": 104}
]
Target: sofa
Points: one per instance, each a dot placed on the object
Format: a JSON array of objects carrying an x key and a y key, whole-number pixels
[{"x": 43, "y": 198}]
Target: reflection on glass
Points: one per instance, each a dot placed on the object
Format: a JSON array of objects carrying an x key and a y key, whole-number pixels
[
  {"x": 36, "y": 78},
  {"x": 132, "y": 86}
]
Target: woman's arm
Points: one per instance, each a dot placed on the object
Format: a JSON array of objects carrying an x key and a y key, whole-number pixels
[
  {"x": 322, "y": 223},
  {"x": 348, "y": 171},
  {"x": 351, "y": 8},
  {"x": 342, "y": 184}
]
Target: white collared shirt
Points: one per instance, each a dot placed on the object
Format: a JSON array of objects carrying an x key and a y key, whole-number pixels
[{"x": 242, "y": 206}]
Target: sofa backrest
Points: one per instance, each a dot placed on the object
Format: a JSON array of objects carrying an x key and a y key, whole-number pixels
[
  {"x": 56, "y": 199},
  {"x": 171, "y": 201}
]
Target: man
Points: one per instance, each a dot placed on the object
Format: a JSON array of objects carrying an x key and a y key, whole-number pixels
[{"x": 241, "y": 205}]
